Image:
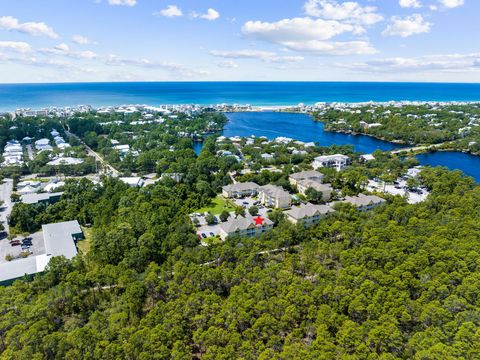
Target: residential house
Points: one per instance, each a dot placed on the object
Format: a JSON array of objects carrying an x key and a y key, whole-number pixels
[
  {"x": 336, "y": 161},
  {"x": 325, "y": 189},
  {"x": 305, "y": 175},
  {"x": 365, "y": 202},
  {"x": 240, "y": 190},
  {"x": 274, "y": 196},
  {"x": 308, "y": 214},
  {"x": 244, "y": 227}
]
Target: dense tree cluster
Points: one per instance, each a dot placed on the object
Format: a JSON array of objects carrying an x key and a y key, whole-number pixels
[
  {"x": 399, "y": 282},
  {"x": 411, "y": 124}
]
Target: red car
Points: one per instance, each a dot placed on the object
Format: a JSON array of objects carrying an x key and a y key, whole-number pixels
[{"x": 15, "y": 242}]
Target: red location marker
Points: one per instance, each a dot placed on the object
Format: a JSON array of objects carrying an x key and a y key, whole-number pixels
[{"x": 259, "y": 220}]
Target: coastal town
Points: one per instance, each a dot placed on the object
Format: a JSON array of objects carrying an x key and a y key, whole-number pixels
[{"x": 260, "y": 180}]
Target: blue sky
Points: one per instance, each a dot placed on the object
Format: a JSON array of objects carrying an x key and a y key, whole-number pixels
[{"x": 198, "y": 40}]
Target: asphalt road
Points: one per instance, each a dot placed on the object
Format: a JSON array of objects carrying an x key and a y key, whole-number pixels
[
  {"x": 5, "y": 192},
  {"x": 109, "y": 168}
]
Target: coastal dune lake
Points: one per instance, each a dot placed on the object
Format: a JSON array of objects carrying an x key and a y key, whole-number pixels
[{"x": 302, "y": 127}]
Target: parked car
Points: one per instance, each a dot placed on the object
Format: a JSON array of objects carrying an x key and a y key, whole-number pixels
[
  {"x": 212, "y": 234},
  {"x": 15, "y": 242},
  {"x": 203, "y": 235}
]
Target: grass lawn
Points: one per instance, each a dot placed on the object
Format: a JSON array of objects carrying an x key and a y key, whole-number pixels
[
  {"x": 84, "y": 245},
  {"x": 217, "y": 206}
]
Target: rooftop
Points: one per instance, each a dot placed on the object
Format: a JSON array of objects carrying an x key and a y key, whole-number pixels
[
  {"x": 306, "y": 175},
  {"x": 241, "y": 186},
  {"x": 36, "y": 198},
  {"x": 58, "y": 239},
  {"x": 242, "y": 223},
  {"x": 364, "y": 200},
  {"x": 308, "y": 210}
]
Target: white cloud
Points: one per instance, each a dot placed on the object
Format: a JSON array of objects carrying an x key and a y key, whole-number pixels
[
  {"x": 64, "y": 50},
  {"x": 170, "y": 11},
  {"x": 308, "y": 35},
  {"x": 349, "y": 11},
  {"x": 296, "y": 29},
  {"x": 173, "y": 67},
  {"x": 123, "y": 2},
  {"x": 332, "y": 47},
  {"x": 31, "y": 28},
  {"x": 266, "y": 56},
  {"x": 227, "y": 64},
  {"x": 430, "y": 63},
  {"x": 452, "y": 3},
  {"x": 210, "y": 15},
  {"x": 410, "y": 3},
  {"x": 407, "y": 26},
  {"x": 62, "y": 47},
  {"x": 82, "y": 40},
  {"x": 17, "y": 46}
]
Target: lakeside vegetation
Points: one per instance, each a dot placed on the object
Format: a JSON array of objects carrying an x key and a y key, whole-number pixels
[{"x": 455, "y": 125}]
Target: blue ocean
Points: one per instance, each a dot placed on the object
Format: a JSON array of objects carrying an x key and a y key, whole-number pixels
[
  {"x": 298, "y": 126},
  {"x": 13, "y": 96}
]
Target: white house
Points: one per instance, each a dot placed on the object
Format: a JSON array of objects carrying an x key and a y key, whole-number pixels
[
  {"x": 274, "y": 196},
  {"x": 308, "y": 214},
  {"x": 240, "y": 190},
  {"x": 336, "y": 161},
  {"x": 244, "y": 227}
]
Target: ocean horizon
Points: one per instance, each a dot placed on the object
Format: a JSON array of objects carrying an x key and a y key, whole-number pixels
[{"x": 256, "y": 93}]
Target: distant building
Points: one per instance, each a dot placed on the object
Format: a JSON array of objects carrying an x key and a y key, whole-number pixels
[
  {"x": 367, "y": 157},
  {"x": 337, "y": 161},
  {"x": 274, "y": 196},
  {"x": 244, "y": 227},
  {"x": 365, "y": 202},
  {"x": 308, "y": 214},
  {"x": 65, "y": 161},
  {"x": 325, "y": 189},
  {"x": 177, "y": 177},
  {"x": 43, "y": 198},
  {"x": 305, "y": 175},
  {"x": 59, "y": 240},
  {"x": 132, "y": 181},
  {"x": 240, "y": 190}
]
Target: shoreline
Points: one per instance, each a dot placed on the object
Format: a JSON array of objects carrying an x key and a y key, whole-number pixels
[{"x": 246, "y": 107}]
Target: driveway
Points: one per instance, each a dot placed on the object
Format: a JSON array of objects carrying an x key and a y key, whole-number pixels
[{"x": 6, "y": 189}]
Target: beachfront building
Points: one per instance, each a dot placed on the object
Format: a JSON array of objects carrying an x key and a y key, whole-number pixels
[
  {"x": 240, "y": 190},
  {"x": 274, "y": 196},
  {"x": 336, "y": 161},
  {"x": 305, "y": 175},
  {"x": 244, "y": 227},
  {"x": 308, "y": 214},
  {"x": 365, "y": 202}
]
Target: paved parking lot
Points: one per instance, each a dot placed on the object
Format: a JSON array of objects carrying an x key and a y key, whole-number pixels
[
  {"x": 399, "y": 189},
  {"x": 214, "y": 229},
  {"x": 37, "y": 247}
]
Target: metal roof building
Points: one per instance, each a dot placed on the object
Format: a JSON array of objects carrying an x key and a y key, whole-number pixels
[{"x": 59, "y": 239}]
